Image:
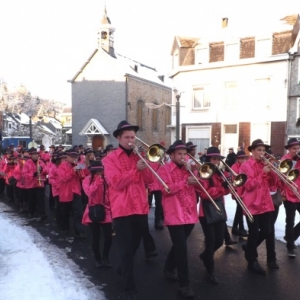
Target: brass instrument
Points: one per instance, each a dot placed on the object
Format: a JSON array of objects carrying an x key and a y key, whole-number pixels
[
  {"x": 239, "y": 180},
  {"x": 155, "y": 152},
  {"x": 206, "y": 170},
  {"x": 202, "y": 187},
  {"x": 38, "y": 170},
  {"x": 136, "y": 151},
  {"x": 285, "y": 172}
]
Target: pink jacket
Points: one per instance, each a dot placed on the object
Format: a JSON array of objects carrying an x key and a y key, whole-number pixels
[
  {"x": 286, "y": 191},
  {"x": 215, "y": 191},
  {"x": 9, "y": 170},
  {"x": 127, "y": 185},
  {"x": 180, "y": 205},
  {"x": 29, "y": 168},
  {"x": 45, "y": 156},
  {"x": 155, "y": 185},
  {"x": 19, "y": 176},
  {"x": 53, "y": 179},
  {"x": 256, "y": 192},
  {"x": 69, "y": 182},
  {"x": 95, "y": 191}
]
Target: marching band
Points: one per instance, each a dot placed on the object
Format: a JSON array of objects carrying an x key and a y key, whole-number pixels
[{"x": 110, "y": 191}]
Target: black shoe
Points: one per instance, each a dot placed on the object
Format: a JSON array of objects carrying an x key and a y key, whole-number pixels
[
  {"x": 256, "y": 267},
  {"x": 201, "y": 256},
  {"x": 230, "y": 242},
  {"x": 273, "y": 265},
  {"x": 244, "y": 247},
  {"x": 186, "y": 292},
  {"x": 43, "y": 218},
  {"x": 235, "y": 231},
  {"x": 130, "y": 296},
  {"x": 291, "y": 253},
  {"x": 171, "y": 275},
  {"x": 150, "y": 254},
  {"x": 99, "y": 264},
  {"x": 243, "y": 233},
  {"x": 212, "y": 279},
  {"x": 106, "y": 263}
]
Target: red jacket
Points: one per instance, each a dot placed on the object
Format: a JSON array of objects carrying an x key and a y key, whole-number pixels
[
  {"x": 155, "y": 185},
  {"x": 95, "y": 191},
  {"x": 53, "y": 179},
  {"x": 256, "y": 192},
  {"x": 127, "y": 185},
  {"x": 19, "y": 176},
  {"x": 28, "y": 172},
  {"x": 9, "y": 170},
  {"x": 286, "y": 191},
  {"x": 69, "y": 182},
  {"x": 180, "y": 205},
  {"x": 216, "y": 190}
]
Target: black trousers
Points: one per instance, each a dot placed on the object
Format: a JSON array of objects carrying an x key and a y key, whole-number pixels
[
  {"x": 64, "y": 215},
  {"x": 238, "y": 221},
  {"x": 261, "y": 229},
  {"x": 10, "y": 191},
  {"x": 36, "y": 201},
  {"x": 177, "y": 257},
  {"x": 2, "y": 185},
  {"x": 22, "y": 196},
  {"x": 129, "y": 231},
  {"x": 214, "y": 237},
  {"x": 96, "y": 235},
  {"x": 148, "y": 240},
  {"x": 291, "y": 233},
  {"x": 158, "y": 213}
]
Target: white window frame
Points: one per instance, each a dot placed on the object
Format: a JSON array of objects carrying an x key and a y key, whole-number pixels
[
  {"x": 232, "y": 43},
  {"x": 255, "y": 137},
  {"x": 204, "y": 87},
  {"x": 188, "y": 128},
  {"x": 257, "y": 50},
  {"x": 298, "y": 109},
  {"x": 205, "y": 49},
  {"x": 237, "y": 96}
]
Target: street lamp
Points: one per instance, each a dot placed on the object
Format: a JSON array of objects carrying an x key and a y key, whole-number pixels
[
  {"x": 177, "y": 96},
  {"x": 30, "y": 127}
]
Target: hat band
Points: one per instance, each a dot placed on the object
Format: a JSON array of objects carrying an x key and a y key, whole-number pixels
[
  {"x": 180, "y": 146},
  {"x": 96, "y": 167},
  {"x": 72, "y": 153},
  {"x": 293, "y": 143},
  {"x": 126, "y": 126},
  {"x": 213, "y": 154}
]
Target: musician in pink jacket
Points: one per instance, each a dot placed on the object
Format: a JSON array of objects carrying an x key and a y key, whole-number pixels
[
  {"x": 70, "y": 194},
  {"x": 180, "y": 214},
  {"x": 257, "y": 198},
  {"x": 127, "y": 176},
  {"x": 34, "y": 173},
  {"x": 96, "y": 189}
]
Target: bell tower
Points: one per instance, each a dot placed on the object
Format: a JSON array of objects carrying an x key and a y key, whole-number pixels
[{"x": 106, "y": 35}]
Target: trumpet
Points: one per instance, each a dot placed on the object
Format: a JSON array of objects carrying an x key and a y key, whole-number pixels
[
  {"x": 38, "y": 170},
  {"x": 155, "y": 152},
  {"x": 285, "y": 172},
  {"x": 202, "y": 187},
  {"x": 136, "y": 151},
  {"x": 239, "y": 180}
]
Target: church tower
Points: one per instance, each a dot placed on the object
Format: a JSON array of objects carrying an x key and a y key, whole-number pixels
[{"x": 106, "y": 35}]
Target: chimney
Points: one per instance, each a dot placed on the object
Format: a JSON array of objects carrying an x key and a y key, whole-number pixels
[{"x": 224, "y": 22}]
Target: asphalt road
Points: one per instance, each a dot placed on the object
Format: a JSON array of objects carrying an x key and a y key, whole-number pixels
[{"x": 235, "y": 281}]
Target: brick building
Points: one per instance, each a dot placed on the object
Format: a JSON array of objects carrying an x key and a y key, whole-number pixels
[
  {"x": 109, "y": 88},
  {"x": 235, "y": 85}
]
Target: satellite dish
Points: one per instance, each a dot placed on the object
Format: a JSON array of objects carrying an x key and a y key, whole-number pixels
[{"x": 47, "y": 141}]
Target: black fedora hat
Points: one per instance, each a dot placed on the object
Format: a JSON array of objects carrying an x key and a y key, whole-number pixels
[
  {"x": 88, "y": 150},
  {"x": 32, "y": 151},
  {"x": 214, "y": 151},
  {"x": 175, "y": 146},
  {"x": 109, "y": 147},
  {"x": 291, "y": 142},
  {"x": 124, "y": 125},
  {"x": 96, "y": 165},
  {"x": 71, "y": 152},
  {"x": 190, "y": 145},
  {"x": 257, "y": 143},
  {"x": 241, "y": 154}
]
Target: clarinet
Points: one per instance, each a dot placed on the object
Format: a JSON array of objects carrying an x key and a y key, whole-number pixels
[{"x": 38, "y": 170}]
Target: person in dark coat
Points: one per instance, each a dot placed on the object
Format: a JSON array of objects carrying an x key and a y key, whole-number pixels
[{"x": 231, "y": 157}]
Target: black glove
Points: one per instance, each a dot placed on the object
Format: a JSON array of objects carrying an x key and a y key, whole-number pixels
[
  {"x": 35, "y": 174},
  {"x": 225, "y": 184}
]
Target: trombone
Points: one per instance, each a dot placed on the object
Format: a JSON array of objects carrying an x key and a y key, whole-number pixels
[
  {"x": 239, "y": 180},
  {"x": 136, "y": 151},
  {"x": 204, "y": 176},
  {"x": 155, "y": 152},
  {"x": 206, "y": 170},
  {"x": 285, "y": 172}
]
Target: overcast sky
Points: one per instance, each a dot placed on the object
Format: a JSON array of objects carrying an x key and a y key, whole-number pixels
[{"x": 43, "y": 43}]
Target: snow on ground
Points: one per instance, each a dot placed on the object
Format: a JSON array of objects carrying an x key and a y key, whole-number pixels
[
  {"x": 279, "y": 225},
  {"x": 33, "y": 269}
]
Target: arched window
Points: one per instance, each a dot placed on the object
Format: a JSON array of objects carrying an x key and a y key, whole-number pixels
[
  {"x": 155, "y": 118},
  {"x": 139, "y": 113}
]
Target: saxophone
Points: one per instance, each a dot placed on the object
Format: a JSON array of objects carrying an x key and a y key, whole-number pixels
[{"x": 38, "y": 170}]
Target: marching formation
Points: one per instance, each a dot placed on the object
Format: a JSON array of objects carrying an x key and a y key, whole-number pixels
[{"x": 111, "y": 191}]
